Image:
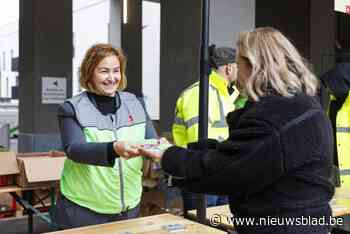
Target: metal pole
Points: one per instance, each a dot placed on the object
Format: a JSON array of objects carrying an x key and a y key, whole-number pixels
[{"x": 203, "y": 97}]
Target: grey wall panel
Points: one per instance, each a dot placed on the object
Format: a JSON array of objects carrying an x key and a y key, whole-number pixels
[
  {"x": 45, "y": 37},
  {"x": 179, "y": 54},
  {"x": 228, "y": 18},
  {"x": 309, "y": 24},
  {"x": 115, "y": 23},
  {"x": 322, "y": 34},
  {"x": 132, "y": 45},
  {"x": 290, "y": 18},
  {"x": 180, "y": 43},
  {"x": 45, "y": 50}
]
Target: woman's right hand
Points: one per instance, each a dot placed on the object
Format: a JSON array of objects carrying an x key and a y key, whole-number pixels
[
  {"x": 154, "y": 155},
  {"x": 126, "y": 150}
]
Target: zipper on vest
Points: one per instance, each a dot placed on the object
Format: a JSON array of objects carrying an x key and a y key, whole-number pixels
[{"x": 120, "y": 167}]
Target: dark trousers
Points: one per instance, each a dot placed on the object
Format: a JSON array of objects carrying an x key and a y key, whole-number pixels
[
  {"x": 190, "y": 200},
  {"x": 68, "y": 214}
]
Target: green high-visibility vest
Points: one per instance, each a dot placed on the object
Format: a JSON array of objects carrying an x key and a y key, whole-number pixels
[{"x": 106, "y": 190}]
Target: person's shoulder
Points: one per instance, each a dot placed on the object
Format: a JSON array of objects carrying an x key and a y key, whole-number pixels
[
  {"x": 190, "y": 90},
  {"x": 124, "y": 95},
  {"x": 279, "y": 110},
  {"x": 78, "y": 98},
  {"x": 131, "y": 100},
  {"x": 65, "y": 110}
]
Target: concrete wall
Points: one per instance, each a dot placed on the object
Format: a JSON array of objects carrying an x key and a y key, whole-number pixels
[
  {"x": 310, "y": 25},
  {"x": 180, "y": 43},
  {"x": 322, "y": 34},
  {"x": 295, "y": 24},
  {"x": 45, "y": 50},
  {"x": 115, "y": 22},
  {"x": 179, "y": 53},
  {"x": 228, "y": 18},
  {"x": 132, "y": 45}
]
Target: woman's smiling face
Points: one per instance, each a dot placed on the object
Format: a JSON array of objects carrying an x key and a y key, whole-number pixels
[{"x": 106, "y": 76}]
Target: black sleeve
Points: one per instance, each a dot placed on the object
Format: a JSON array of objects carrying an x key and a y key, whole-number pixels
[
  {"x": 74, "y": 142},
  {"x": 248, "y": 161}
]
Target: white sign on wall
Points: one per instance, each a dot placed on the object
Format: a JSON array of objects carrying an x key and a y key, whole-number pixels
[{"x": 54, "y": 90}]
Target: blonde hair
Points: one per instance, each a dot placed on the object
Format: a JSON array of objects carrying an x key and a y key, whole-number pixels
[
  {"x": 93, "y": 57},
  {"x": 276, "y": 65}
]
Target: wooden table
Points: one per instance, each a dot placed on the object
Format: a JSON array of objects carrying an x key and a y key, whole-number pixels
[
  {"x": 340, "y": 205},
  {"x": 16, "y": 188},
  {"x": 151, "y": 224},
  {"x": 10, "y": 189}
]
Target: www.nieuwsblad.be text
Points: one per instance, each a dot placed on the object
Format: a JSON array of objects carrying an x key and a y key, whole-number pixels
[{"x": 218, "y": 219}]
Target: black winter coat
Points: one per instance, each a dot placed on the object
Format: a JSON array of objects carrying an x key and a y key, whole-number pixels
[{"x": 276, "y": 162}]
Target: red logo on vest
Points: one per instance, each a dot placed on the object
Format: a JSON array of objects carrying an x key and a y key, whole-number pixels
[{"x": 131, "y": 119}]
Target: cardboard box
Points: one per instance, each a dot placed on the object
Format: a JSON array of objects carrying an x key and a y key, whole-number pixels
[
  {"x": 8, "y": 167},
  {"x": 39, "y": 169}
]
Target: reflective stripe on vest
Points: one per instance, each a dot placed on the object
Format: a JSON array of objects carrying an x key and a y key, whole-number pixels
[
  {"x": 216, "y": 124},
  {"x": 344, "y": 172},
  {"x": 343, "y": 129}
]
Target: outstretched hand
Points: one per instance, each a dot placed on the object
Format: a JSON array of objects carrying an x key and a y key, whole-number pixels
[
  {"x": 126, "y": 150},
  {"x": 152, "y": 154},
  {"x": 155, "y": 152},
  {"x": 152, "y": 151}
]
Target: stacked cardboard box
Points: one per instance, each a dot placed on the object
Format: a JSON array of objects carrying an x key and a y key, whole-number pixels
[
  {"x": 8, "y": 171},
  {"x": 39, "y": 169},
  {"x": 31, "y": 169},
  {"x": 8, "y": 168}
]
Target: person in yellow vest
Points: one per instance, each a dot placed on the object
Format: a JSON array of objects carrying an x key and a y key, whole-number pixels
[
  {"x": 337, "y": 81},
  {"x": 221, "y": 101}
]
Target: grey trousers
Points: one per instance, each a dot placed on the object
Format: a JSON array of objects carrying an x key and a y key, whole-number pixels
[{"x": 68, "y": 214}]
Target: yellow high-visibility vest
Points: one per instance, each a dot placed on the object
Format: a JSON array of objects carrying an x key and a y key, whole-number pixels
[
  {"x": 220, "y": 103},
  {"x": 343, "y": 142}
]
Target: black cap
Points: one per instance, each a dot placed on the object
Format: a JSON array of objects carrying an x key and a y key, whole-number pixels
[{"x": 221, "y": 56}]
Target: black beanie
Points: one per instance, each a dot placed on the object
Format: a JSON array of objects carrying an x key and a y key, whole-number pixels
[{"x": 221, "y": 56}]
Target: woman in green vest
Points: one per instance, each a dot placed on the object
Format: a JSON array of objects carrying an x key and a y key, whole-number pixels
[{"x": 98, "y": 184}]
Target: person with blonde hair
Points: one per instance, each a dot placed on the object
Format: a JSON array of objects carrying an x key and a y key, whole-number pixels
[
  {"x": 277, "y": 160},
  {"x": 98, "y": 185}
]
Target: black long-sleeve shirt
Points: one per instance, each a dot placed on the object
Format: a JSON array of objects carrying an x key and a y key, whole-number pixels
[{"x": 73, "y": 138}]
